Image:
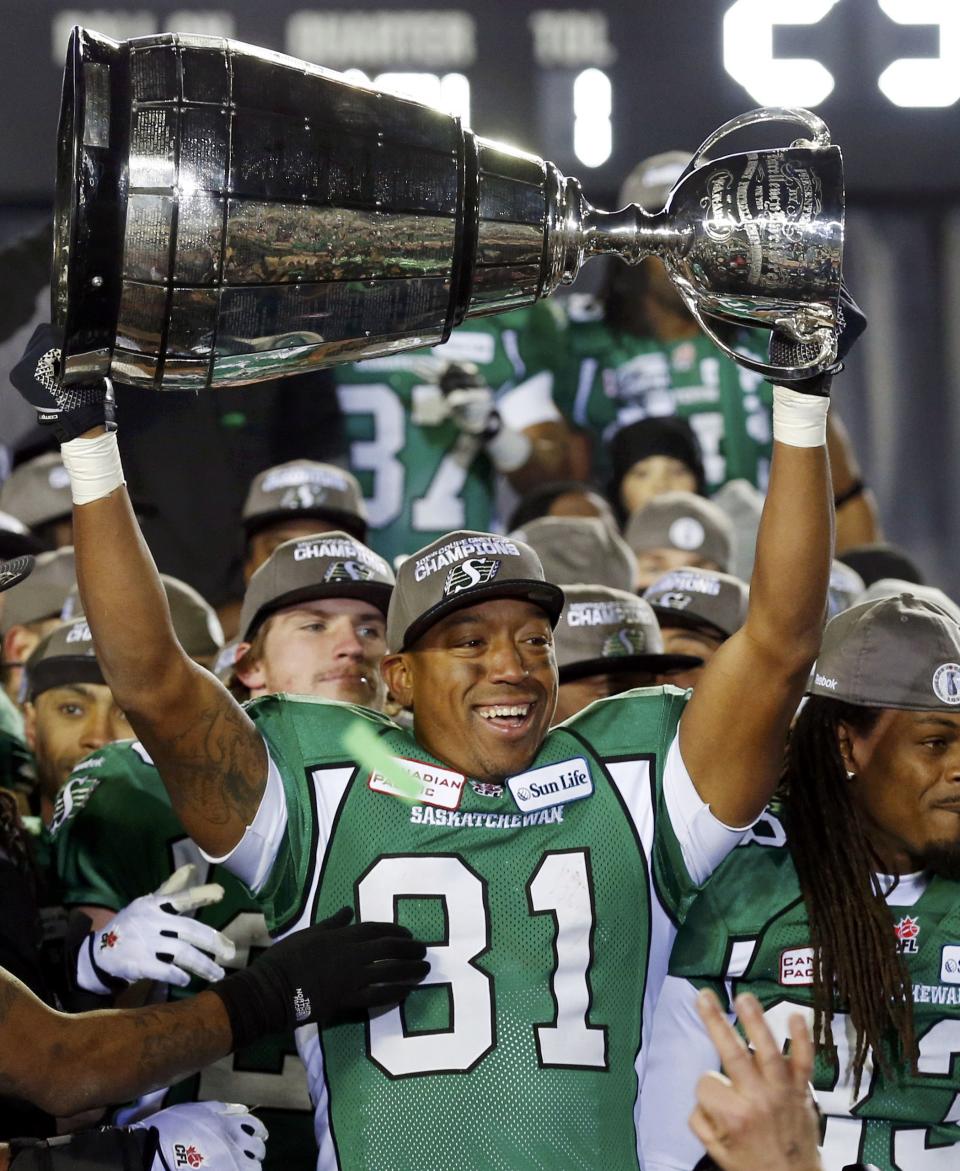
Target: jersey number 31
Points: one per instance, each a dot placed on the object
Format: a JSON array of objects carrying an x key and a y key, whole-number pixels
[{"x": 560, "y": 886}]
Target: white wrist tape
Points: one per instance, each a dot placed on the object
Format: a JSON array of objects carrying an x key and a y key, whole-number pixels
[
  {"x": 94, "y": 467},
  {"x": 799, "y": 420},
  {"x": 508, "y": 450}
]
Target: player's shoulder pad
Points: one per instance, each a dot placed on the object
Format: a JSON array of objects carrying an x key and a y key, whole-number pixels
[
  {"x": 331, "y": 713},
  {"x": 761, "y": 863},
  {"x": 632, "y": 720},
  {"x": 583, "y": 307},
  {"x": 117, "y": 760}
]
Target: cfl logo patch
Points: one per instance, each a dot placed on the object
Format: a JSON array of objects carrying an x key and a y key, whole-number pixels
[
  {"x": 468, "y": 574},
  {"x": 184, "y": 1156}
]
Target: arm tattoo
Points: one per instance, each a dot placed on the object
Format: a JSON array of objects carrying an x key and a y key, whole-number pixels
[{"x": 216, "y": 765}]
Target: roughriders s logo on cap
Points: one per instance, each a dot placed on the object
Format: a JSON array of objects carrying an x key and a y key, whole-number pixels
[
  {"x": 628, "y": 640},
  {"x": 686, "y": 533},
  {"x": 466, "y": 575},
  {"x": 946, "y": 683},
  {"x": 109, "y": 939},
  {"x": 674, "y": 601},
  {"x": 348, "y": 571},
  {"x": 187, "y": 1156}
]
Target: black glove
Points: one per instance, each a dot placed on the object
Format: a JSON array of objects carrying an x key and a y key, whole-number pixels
[
  {"x": 71, "y": 409},
  {"x": 851, "y": 322},
  {"x": 314, "y": 974}
]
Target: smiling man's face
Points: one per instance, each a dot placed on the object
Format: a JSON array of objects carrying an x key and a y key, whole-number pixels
[{"x": 482, "y": 683}]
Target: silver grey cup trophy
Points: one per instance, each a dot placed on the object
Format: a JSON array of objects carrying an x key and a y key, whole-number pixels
[{"x": 225, "y": 214}]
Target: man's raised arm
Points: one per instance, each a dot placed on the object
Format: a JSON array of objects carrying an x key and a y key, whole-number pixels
[
  {"x": 212, "y": 761},
  {"x": 733, "y": 733},
  {"x": 210, "y": 756}
]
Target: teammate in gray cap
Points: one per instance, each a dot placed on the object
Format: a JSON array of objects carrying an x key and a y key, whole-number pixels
[
  {"x": 69, "y": 710},
  {"x": 608, "y": 641},
  {"x": 678, "y": 529},
  {"x": 296, "y": 499},
  {"x": 548, "y": 867},
  {"x": 195, "y": 621},
  {"x": 842, "y": 906},
  {"x": 313, "y": 622},
  {"x": 698, "y": 610}
]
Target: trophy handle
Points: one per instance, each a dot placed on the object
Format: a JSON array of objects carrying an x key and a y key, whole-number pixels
[
  {"x": 825, "y": 338},
  {"x": 815, "y": 126},
  {"x": 814, "y": 329}
]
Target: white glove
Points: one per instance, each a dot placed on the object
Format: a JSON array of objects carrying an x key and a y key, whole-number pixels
[
  {"x": 149, "y": 940},
  {"x": 472, "y": 408},
  {"x": 213, "y": 1136}
]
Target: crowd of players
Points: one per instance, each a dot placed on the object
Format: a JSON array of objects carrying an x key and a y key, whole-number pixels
[{"x": 562, "y": 904}]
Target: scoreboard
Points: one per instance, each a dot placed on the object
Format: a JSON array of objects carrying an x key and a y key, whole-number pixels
[{"x": 594, "y": 87}]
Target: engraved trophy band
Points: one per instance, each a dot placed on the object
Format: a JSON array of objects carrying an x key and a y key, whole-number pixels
[{"x": 226, "y": 214}]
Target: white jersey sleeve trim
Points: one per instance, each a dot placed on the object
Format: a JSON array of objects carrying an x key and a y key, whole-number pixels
[
  {"x": 529, "y": 403},
  {"x": 704, "y": 840},
  {"x": 252, "y": 858}
]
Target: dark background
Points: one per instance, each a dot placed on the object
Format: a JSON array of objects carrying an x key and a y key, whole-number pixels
[{"x": 665, "y": 59}]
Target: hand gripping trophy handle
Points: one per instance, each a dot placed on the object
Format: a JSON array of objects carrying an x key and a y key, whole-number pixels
[{"x": 226, "y": 215}]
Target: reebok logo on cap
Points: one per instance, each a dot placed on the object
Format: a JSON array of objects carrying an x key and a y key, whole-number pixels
[{"x": 476, "y": 571}]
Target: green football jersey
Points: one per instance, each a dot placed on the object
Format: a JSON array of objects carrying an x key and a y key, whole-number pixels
[
  {"x": 748, "y": 931},
  {"x": 116, "y": 838},
  {"x": 611, "y": 378},
  {"x": 548, "y": 905},
  {"x": 421, "y": 477}
]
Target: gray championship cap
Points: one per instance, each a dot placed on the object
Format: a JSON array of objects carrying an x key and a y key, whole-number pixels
[
  {"x": 888, "y": 587},
  {"x": 65, "y": 656},
  {"x": 649, "y": 183},
  {"x": 698, "y": 599},
  {"x": 38, "y": 491},
  {"x": 43, "y": 593},
  {"x": 327, "y": 565},
  {"x": 607, "y": 631},
  {"x": 304, "y": 487},
  {"x": 463, "y": 569},
  {"x": 899, "y": 652},
  {"x": 195, "y": 622},
  {"x": 574, "y": 550},
  {"x": 681, "y": 520}
]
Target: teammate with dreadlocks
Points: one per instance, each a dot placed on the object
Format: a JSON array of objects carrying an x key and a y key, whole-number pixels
[{"x": 846, "y": 907}]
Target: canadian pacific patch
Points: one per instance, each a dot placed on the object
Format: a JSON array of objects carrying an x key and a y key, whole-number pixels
[
  {"x": 796, "y": 967},
  {"x": 431, "y": 785}
]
